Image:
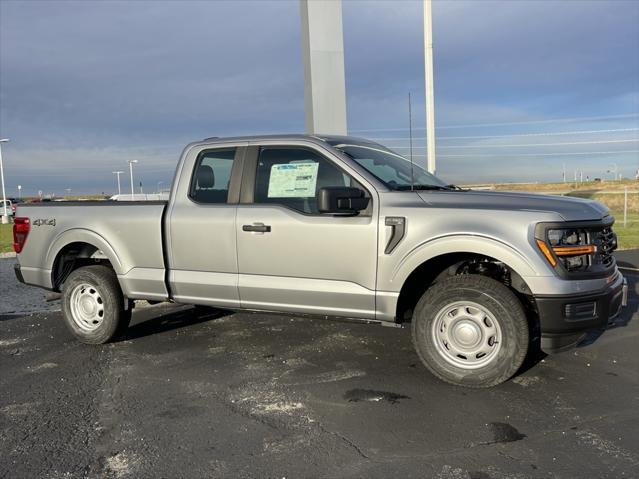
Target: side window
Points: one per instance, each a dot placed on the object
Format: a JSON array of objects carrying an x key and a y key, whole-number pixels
[
  {"x": 293, "y": 176},
  {"x": 211, "y": 177}
]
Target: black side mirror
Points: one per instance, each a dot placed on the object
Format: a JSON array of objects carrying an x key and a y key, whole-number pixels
[{"x": 341, "y": 200}]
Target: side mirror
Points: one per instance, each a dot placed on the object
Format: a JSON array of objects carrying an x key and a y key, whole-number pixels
[{"x": 341, "y": 200}]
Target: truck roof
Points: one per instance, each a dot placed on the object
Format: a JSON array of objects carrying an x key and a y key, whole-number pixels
[{"x": 330, "y": 139}]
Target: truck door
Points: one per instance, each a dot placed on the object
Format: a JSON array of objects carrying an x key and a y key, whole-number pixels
[
  {"x": 201, "y": 242},
  {"x": 291, "y": 257}
]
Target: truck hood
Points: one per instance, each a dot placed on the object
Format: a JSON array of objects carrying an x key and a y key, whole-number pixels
[{"x": 568, "y": 208}]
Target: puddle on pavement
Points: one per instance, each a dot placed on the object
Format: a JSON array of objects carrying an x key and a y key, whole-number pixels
[
  {"x": 370, "y": 395},
  {"x": 503, "y": 432}
]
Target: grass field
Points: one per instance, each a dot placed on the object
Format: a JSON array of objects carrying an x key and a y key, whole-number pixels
[
  {"x": 6, "y": 238},
  {"x": 628, "y": 237}
]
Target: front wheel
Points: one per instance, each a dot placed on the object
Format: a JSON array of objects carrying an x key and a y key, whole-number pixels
[
  {"x": 471, "y": 331},
  {"x": 93, "y": 305}
]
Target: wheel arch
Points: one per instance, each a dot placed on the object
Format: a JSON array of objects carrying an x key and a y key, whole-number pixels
[
  {"x": 76, "y": 248},
  {"x": 424, "y": 265},
  {"x": 462, "y": 244}
]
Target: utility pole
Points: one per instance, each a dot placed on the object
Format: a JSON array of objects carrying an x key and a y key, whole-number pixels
[
  {"x": 5, "y": 217},
  {"x": 430, "y": 88},
  {"x": 564, "y": 172},
  {"x": 118, "y": 173},
  {"x": 131, "y": 172}
]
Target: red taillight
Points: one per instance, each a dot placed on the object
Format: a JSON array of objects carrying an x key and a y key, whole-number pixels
[{"x": 21, "y": 228}]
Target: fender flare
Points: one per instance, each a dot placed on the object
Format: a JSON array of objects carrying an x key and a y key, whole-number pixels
[
  {"x": 473, "y": 244},
  {"x": 80, "y": 235}
]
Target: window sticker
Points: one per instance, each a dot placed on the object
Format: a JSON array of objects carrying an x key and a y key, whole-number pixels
[{"x": 293, "y": 180}]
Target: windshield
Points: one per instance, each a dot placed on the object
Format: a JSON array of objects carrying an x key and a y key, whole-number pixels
[{"x": 392, "y": 169}]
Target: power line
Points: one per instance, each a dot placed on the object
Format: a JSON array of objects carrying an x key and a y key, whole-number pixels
[
  {"x": 502, "y": 155},
  {"x": 528, "y": 122},
  {"x": 521, "y": 145},
  {"x": 557, "y": 133}
]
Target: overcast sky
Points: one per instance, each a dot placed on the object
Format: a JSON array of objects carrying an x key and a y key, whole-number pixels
[{"x": 87, "y": 85}]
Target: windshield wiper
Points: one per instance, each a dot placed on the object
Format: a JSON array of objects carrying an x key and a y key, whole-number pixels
[
  {"x": 457, "y": 188},
  {"x": 422, "y": 187}
]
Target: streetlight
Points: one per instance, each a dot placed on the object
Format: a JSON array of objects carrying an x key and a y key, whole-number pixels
[
  {"x": 159, "y": 183},
  {"x": 118, "y": 173},
  {"x": 131, "y": 172},
  {"x": 430, "y": 91},
  {"x": 614, "y": 170},
  {"x": 5, "y": 217}
]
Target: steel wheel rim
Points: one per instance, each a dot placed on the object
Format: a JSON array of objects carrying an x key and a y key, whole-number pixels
[
  {"x": 466, "y": 334},
  {"x": 87, "y": 307}
]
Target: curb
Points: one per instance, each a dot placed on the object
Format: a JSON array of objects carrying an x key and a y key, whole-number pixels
[{"x": 7, "y": 255}]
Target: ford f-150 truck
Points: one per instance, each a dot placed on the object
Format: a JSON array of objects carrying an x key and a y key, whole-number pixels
[{"x": 338, "y": 227}]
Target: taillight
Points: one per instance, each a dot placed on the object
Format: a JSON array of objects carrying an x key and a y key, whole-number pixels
[{"x": 21, "y": 227}]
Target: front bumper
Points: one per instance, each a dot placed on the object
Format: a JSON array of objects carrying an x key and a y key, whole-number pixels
[{"x": 565, "y": 320}]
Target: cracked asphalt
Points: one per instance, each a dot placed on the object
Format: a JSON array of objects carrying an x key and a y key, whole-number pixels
[{"x": 218, "y": 394}]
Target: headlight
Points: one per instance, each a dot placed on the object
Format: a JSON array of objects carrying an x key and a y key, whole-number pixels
[{"x": 569, "y": 246}]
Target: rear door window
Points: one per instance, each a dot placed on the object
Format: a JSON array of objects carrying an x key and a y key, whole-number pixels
[{"x": 212, "y": 176}]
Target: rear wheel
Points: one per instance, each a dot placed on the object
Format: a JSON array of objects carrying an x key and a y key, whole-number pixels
[
  {"x": 470, "y": 330},
  {"x": 93, "y": 305}
]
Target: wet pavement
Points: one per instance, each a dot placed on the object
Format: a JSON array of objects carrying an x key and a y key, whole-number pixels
[
  {"x": 16, "y": 297},
  {"x": 224, "y": 394}
]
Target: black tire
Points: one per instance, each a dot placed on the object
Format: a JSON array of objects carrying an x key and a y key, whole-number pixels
[
  {"x": 100, "y": 286},
  {"x": 429, "y": 330}
]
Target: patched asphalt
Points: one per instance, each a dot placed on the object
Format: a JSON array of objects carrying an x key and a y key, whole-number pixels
[{"x": 221, "y": 394}]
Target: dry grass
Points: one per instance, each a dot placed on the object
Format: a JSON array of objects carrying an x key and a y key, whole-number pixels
[
  {"x": 614, "y": 201},
  {"x": 632, "y": 185}
]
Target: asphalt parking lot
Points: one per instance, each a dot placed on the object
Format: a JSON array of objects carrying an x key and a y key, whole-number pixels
[{"x": 223, "y": 394}]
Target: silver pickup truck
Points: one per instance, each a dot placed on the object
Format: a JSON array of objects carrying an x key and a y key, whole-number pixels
[{"x": 340, "y": 227}]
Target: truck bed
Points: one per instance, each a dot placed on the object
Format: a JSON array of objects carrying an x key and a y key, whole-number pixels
[{"x": 129, "y": 234}]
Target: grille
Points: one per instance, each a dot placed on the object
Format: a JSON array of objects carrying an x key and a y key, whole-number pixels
[{"x": 606, "y": 242}]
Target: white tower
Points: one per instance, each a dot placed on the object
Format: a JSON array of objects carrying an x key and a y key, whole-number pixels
[{"x": 323, "y": 56}]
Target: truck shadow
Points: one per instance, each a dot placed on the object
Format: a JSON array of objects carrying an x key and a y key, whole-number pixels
[{"x": 173, "y": 320}]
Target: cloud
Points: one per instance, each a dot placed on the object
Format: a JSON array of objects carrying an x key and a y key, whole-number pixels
[{"x": 84, "y": 86}]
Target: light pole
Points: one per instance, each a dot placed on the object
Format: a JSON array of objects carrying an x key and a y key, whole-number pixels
[
  {"x": 118, "y": 173},
  {"x": 614, "y": 170},
  {"x": 68, "y": 190},
  {"x": 159, "y": 183},
  {"x": 131, "y": 172},
  {"x": 430, "y": 89},
  {"x": 5, "y": 217},
  {"x": 19, "y": 192}
]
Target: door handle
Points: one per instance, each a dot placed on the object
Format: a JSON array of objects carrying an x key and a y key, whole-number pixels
[{"x": 257, "y": 228}]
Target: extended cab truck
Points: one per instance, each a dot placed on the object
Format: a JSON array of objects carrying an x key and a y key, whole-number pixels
[{"x": 336, "y": 226}]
